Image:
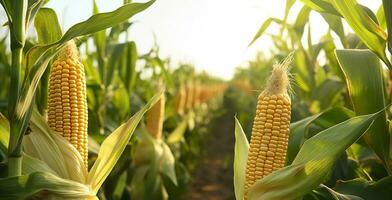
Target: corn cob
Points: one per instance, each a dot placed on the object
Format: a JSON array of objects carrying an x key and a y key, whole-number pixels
[
  {"x": 270, "y": 132},
  {"x": 155, "y": 117},
  {"x": 180, "y": 101},
  {"x": 67, "y": 103}
]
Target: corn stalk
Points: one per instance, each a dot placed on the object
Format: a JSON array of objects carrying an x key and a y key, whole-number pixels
[{"x": 18, "y": 30}]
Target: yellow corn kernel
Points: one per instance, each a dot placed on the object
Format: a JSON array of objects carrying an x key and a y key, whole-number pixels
[
  {"x": 67, "y": 103},
  {"x": 270, "y": 132},
  {"x": 155, "y": 117}
]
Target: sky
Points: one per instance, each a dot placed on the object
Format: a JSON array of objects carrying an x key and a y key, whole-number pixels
[{"x": 212, "y": 34}]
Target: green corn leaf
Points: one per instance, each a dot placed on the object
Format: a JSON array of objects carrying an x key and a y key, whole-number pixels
[
  {"x": 289, "y": 4},
  {"x": 364, "y": 26},
  {"x": 241, "y": 147},
  {"x": 298, "y": 134},
  {"x": 164, "y": 70},
  {"x": 41, "y": 185},
  {"x": 100, "y": 44},
  {"x": 120, "y": 186},
  {"x": 299, "y": 131},
  {"x": 335, "y": 23},
  {"x": 333, "y": 116},
  {"x": 121, "y": 100},
  {"x": 152, "y": 187},
  {"x": 113, "y": 146},
  {"x": 130, "y": 73},
  {"x": 93, "y": 145},
  {"x": 178, "y": 134},
  {"x": 312, "y": 48},
  {"x": 167, "y": 162},
  {"x": 369, "y": 190},
  {"x": 33, "y": 8},
  {"x": 117, "y": 30},
  {"x": 4, "y": 133},
  {"x": 48, "y": 31},
  {"x": 264, "y": 27},
  {"x": 102, "y": 21},
  {"x": 364, "y": 76},
  {"x": 123, "y": 58},
  {"x": 371, "y": 14},
  {"x": 57, "y": 152},
  {"x": 157, "y": 157},
  {"x": 47, "y": 26},
  {"x": 360, "y": 18},
  {"x": 304, "y": 70},
  {"x": 321, "y": 6},
  {"x": 326, "y": 193},
  {"x": 32, "y": 165},
  {"x": 301, "y": 20},
  {"x": 313, "y": 162},
  {"x": 92, "y": 73},
  {"x": 381, "y": 17},
  {"x": 145, "y": 146},
  {"x": 328, "y": 93},
  {"x": 8, "y": 8},
  {"x": 314, "y": 51},
  {"x": 329, "y": 49},
  {"x": 387, "y": 5},
  {"x": 138, "y": 182}
]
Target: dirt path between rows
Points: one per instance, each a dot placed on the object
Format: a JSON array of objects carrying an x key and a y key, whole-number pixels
[{"x": 213, "y": 178}]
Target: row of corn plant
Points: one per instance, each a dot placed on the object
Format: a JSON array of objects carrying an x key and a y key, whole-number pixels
[
  {"x": 109, "y": 106},
  {"x": 338, "y": 145}
]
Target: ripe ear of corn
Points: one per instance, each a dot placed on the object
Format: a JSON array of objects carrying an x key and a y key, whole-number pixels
[
  {"x": 155, "y": 117},
  {"x": 67, "y": 103},
  {"x": 270, "y": 132}
]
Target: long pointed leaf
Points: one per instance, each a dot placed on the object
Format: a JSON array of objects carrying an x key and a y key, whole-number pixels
[
  {"x": 387, "y": 5},
  {"x": 264, "y": 27},
  {"x": 367, "y": 30},
  {"x": 364, "y": 76},
  {"x": 57, "y": 152},
  {"x": 240, "y": 158},
  {"x": 113, "y": 146},
  {"x": 24, "y": 187}
]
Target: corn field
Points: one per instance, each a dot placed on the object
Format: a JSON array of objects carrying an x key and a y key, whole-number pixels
[{"x": 85, "y": 114}]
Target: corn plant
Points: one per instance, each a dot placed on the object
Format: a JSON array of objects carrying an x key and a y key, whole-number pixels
[
  {"x": 54, "y": 165},
  {"x": 338, "y": 152},
  {"x": 267, "y": 151}
]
